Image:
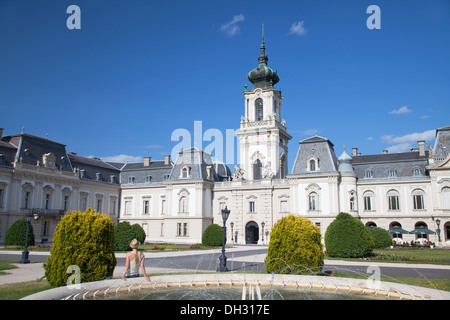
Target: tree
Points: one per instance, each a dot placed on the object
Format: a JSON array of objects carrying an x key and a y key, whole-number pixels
[
  {"x": 212, "y": 236},
  {"x": 123, "y": 234},
  {"x": 295, "y": 247},
  {"x": 382, "y": 238},
  {"x": 347, "y": 237},
  {"x": 139, "y": 233},
  {"x": 17, "y": 232},
  {"x": 83, "y": 241}
]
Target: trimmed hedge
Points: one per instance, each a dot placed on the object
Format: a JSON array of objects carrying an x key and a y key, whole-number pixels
[
  {"x": 348, "y": 237},
  {"x": 17, "y": 232},
  {"x": 123, "y": 234},
  {"x": 212, "y": 236},
  {"x": 381, "y": 237},
  {"x": 139, "y": 233},
  {"x": 85, "y": 240},
  {"x": 295, "y": 247}
]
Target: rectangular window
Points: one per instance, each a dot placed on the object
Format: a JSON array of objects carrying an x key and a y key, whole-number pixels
[
  {"x": 66, "y": 203},
  {"x": 127, "y": 207},
  {"x": 418, "y": 202},
  {"x": 252, "y": 206},
  {"x": 26, "y": 202},
  {"x": 83, "y": 203},
  {"x": 47, "y": 204},
  {"x": 45, "y": 228},
  {"x": 368, "y": 203},
  {"x": 146, "y": 207},
  {"x": 99, "y": 207},
  {"x": 393, "y": 203},
  {"x": 2, "y": 193},
  {"x": 182, "y": 229},
  {"x": 163, "y": 207},
  {"x": 284, "y": 206}
]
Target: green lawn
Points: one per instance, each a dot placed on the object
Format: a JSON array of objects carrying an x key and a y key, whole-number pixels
[{"x": 406, "y": 255}]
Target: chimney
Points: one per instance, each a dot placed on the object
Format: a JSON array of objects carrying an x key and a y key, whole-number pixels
[
  {"x": 354, "y": 152},
  {"x": 421, "y": 144},
  {"x": 385, "y": 151},
  {"x": 1, "y": 133},
  {"x": 167, "y": 160},
  {"x": 147, "y": 161}
]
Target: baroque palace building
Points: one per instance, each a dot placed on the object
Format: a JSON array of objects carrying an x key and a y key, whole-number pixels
[{"x": 174, "y": 201}]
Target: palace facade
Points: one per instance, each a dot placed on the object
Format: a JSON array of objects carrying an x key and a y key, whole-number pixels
[{"x": 174, "y": 200}]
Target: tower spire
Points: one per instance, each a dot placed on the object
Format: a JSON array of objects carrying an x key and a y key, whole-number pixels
[{"x": 263, "y": 45}]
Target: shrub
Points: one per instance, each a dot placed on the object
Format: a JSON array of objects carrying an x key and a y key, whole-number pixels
[
  {"x": 347, "y": 237},
  {"x": 295, "y": 247},
  {"x": 212, "y": 236},
  {"x": 381, "y": 237},
  {"x": 139, "y": 233},
  {"x": 123, "y": 234},
  {"x": 82, "y": 239},
  {"x": 17, "y": 232}
]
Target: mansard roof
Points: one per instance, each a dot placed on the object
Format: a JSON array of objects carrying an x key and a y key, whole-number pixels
[{"x": 318, "y": 148}]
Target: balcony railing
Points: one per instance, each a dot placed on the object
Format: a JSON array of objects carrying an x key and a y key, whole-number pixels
[{"x": 47, "y": 212}]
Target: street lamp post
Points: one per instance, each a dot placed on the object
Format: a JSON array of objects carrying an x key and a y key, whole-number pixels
[
  {"x": 25, "y": 252},
  {"x": 223, "y": 258},
  {"x": 232, "y": 225},
  {"x": 262, "y": 225},
  {"x": 438, "y": 222}
]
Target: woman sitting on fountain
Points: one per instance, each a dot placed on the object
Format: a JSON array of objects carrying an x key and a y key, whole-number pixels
[{"x": 133, "y": 261}]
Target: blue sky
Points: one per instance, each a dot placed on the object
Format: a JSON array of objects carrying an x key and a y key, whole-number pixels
[{"x": 137, "y": 70}]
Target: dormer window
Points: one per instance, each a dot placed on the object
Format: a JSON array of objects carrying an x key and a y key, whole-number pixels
[
  {"x": 185, "y": 172},
  {"x": 392, "y": 173},
  {"x": 368, "y": 174},
  {"x": 416, "y": 172},
  {"x": 312, "y": 164}
]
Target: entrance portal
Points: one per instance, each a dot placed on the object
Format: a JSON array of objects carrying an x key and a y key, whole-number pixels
[{"x": 251, "y": 233}]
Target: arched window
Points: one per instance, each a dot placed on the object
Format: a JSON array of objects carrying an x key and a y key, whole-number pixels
[
  {"x": 418, "y": 199},
  {"x": 258, "y": 109},
  {"x": 369, "y": 201},
  {"x": 257, "y": 168},
  {"x": 313, "y": 201},
  {"x": 312, "y": 165},
  {"x": 445, "y": 195},
  {"x": 393, "y": 200},
  {"x": 352, "y": 204},
  {"x": 183, "y": 205}
]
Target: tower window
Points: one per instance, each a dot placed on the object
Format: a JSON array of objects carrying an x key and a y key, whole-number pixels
[
  {"x": 257, "y": 170},
  {"x": 258, "y": 109},
  {"x": 312, "y": 165}
]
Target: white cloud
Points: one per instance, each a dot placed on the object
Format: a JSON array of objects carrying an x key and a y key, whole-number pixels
[
  {"x": 232, "y": 28},
  {"x": 123, "y": 158},
  {"x": 297, "y": 28},
  {"x": 410, "y": 137},
  {"x": 407, "y": 141},
  {"x": 402, "y": 110}
]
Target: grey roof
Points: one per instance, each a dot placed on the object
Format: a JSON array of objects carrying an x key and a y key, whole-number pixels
[
  {"x": 95, "y": 169},
  {"x": 403, "y": 163},
  {"x": 197, "y": 162},
  {"x": 442, "y": 143},
  {"x": 154, "y": 173},
  {"x": 319, "y": 147},
  {"x": 30, "y": 150}
]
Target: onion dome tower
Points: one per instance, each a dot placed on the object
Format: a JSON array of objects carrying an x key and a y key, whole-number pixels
[{"x": 262, "y": 76}]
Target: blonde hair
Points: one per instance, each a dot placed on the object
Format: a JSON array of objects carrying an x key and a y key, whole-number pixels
[{"x": 135, "y": 245}]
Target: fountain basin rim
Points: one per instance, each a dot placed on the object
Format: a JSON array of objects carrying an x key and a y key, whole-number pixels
[{"x": 360, "y": 286}]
